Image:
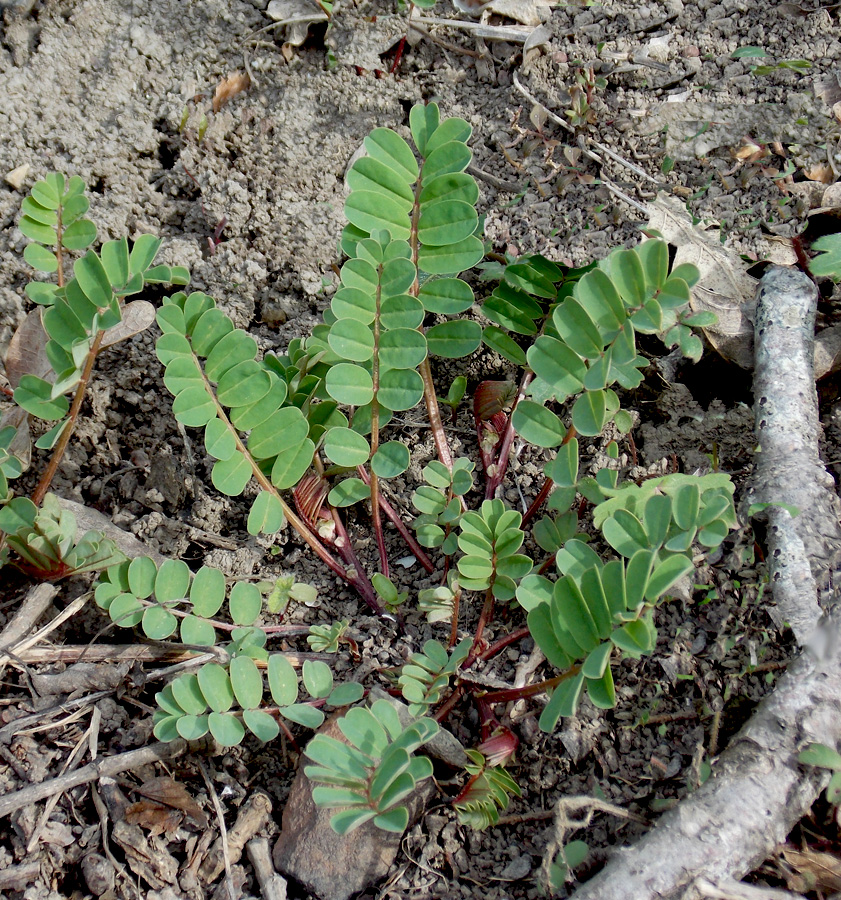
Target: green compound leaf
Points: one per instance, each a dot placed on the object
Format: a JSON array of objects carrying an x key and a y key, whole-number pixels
[
  {"x": 266, "y": 514},
  {"x": 245, "y": 603},
  {"x": 230, "y": 476},
  {"x": 226, "y": 728},
  {"x": 216, "y": 687},
  {"x": 349, "y": 384},
  {"x": 40, "y": 258},
  {"x": 400, "y": 389},
  {"x": 207, "y": 592},
  {"x": 351, "y": 339},
  {"x": 289, "y": 467},
  {"x": 246, "y": 682},
  {"x": 346, "y": 448},
  {"x": 446, "y": 296},
  {"x": 537, "y": 425},
  {"x": 454, "y": 339},
  {"x": 402, "y": 348},
  {"x": 263, "y": 726},
  {"x": 390, "y": 460}
]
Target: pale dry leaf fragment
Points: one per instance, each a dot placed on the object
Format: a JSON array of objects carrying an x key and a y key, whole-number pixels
[
  {"x": 821, "y": 172},
  {"x": 137, "y": 316},
  {"x": 229, "y": 87},
  {"x": 828, "y": 88},
  {"x": 817, "y": 870},
  {"x": 724, "y": 287},
  {"x": 17, "y": 176},
  {"x": 297, "y": 16},
  {"x": 526, "y": 12}
]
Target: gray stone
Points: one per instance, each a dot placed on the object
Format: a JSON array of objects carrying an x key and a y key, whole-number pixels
[{"x": 332, "y": 866}]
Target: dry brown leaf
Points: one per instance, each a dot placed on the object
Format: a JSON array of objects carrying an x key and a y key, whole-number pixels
[
  {"x": 819, "y": 871},
  {"x": 26, "y": 355},
  {"x": 724, "y": 287},
  {"x": 154, "y": 817},
  {"x": 828, "y": 88},
  {"x": 821, "y": 172},
  {"x": 228, "y": 88},
  {"x": 172, "y": 793},
  {"x": 137, "y": 316}
]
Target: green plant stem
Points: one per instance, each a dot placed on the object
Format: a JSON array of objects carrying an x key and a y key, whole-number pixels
[
  {"x": 504, "y": 454},
  {"x": 58, "y": 452},
  {"x": 508, "y": 694},
  {"x": 394, "y": 518}
]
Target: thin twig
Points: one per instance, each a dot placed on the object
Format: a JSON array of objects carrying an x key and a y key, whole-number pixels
[
  {"x": 223, "y": 831},
  {"x": 109, "y": 766}
]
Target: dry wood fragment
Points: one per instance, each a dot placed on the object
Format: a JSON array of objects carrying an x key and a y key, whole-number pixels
[{"x": 99, "y": 768}]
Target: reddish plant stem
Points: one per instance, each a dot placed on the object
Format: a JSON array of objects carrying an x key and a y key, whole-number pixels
[
  {"x": 504, "y": 454},
  {"x": 484, "y": 618},
  {"x": 502, "y": 643},
  {"x": 544, "y": 492},
  {"x": 504, "y": 696},
  {"x": 356, "y": 579},
  {"x": 454, "y": 624},
  {"x": 61, "y": 445},
  {"x": 447, "y": 706},
  {"x": 394, "y": 518},
  {"x": 429, "y": 395},
  {"x": 375, "y": 439}
]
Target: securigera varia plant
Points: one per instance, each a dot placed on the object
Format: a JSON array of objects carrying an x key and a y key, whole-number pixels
[
  {"x": 309, "y": 427},
  {"x": 52, "y": 355}
]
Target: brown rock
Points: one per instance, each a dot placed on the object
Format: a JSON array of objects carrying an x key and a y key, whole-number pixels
[{"x": 332, "y": 866}]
